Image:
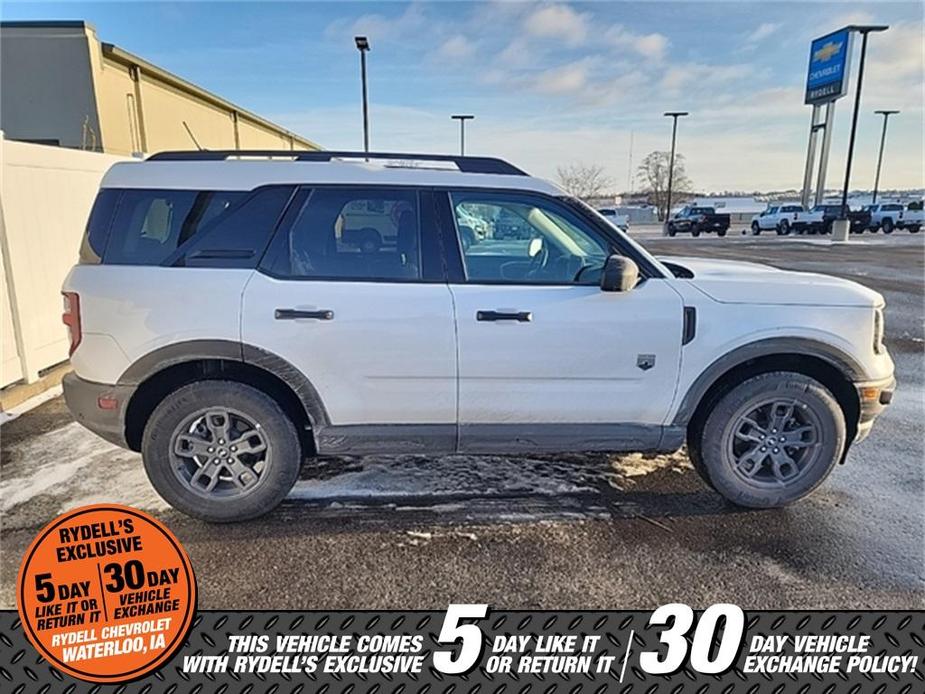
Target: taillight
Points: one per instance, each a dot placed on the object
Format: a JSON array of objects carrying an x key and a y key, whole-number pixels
[{"x": 71, "y": 318}]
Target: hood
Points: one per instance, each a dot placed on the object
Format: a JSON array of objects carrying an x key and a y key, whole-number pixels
[{"x": 738, "y": 282}]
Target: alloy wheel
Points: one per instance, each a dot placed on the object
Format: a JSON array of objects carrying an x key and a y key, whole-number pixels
[
  {"x": 773, "y": 443},
  {"x": 219, "y": 452}
]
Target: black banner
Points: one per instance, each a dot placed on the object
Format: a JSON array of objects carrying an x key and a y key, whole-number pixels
[{"x": 672, "y": 649}]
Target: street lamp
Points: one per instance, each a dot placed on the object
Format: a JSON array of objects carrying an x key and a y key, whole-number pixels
[
  {"x": 674, "y": 135},
  {"x": 462, "y": 131},
  {"x": 363, "y": 46},
  {"x": 842, "y": 226},
  {"x": 886, "y": 116}
]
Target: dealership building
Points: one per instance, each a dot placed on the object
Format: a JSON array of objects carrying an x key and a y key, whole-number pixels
[{"x": 62, "y": 86}]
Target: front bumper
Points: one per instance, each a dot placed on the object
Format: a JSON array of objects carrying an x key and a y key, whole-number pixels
[
  {"x": 873, "y": 396},
  {"x": 98, "y": 406}
]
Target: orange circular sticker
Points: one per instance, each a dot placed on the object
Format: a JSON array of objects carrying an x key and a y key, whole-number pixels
[{"x": 106, "y": 593}]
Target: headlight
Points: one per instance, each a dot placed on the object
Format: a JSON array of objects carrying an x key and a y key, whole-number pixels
[{"x": 878, "y": 331}]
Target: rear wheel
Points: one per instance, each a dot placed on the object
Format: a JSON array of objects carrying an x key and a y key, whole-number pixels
[
  {"x": 221, "y": 451},
  {"x": 887, "y": 226},
  {"x": 783, "y": 228},
  {"x": 771, "y": 440},
  {"x": 721, "y": 232},
  {"x": 914, "y": 230},
  {"x": 695, "y": 232}
]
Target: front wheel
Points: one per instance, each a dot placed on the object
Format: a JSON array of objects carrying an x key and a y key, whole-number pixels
[
  {"x": 771, "y": 440},
  {"x": 221, "y": 451},
  {"x": 756, "y": 230},
  {"x": 671, "y": 230}
]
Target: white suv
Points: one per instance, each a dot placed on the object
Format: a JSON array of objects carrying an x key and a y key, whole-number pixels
[{"x": 228, "y": 321}]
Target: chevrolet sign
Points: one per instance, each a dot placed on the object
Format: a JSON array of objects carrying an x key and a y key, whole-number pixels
[{"x": 829, "y": 60}]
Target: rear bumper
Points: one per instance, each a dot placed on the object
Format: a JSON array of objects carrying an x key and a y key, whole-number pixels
[
  {"x": 98, "y": 406},
  {"x": 874, "y": 397}
]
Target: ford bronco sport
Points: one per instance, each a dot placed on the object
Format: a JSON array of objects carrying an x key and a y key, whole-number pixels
[{"x": 228, "y": 319}]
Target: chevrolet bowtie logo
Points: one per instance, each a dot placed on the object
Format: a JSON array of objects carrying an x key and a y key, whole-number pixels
[{"x": 827, "y": 51}]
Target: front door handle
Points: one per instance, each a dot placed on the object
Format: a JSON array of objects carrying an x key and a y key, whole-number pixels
[
  {"x": 295, "y": 314},
  {"x": 519, "y": 316}
]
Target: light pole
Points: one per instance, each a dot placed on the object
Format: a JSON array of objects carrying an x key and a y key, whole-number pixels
[
  {"x": 841, "y": 226},
  {"x": 462, "y": 131},
  {"x": 886, "y": 116},
  {"x": 363, "y": 46},
  {"x": 674, "y": 115}
]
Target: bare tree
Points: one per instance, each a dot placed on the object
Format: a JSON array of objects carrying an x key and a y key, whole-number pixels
[
  {"x": 653, "y": 173},
  {"x": 584, "y": 181}
]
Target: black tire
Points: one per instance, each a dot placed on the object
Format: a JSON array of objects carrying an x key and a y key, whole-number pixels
[
  {"x": 721, "y": 232},
  {"x": 784, "y": 228},
  {"x": 283, "y": 454},
  {"x": 695, "y": 232},
  {"x": 887, "y": 226},
  {"x": 813, "y": 407},
  {"x": 914, "y": 230},
  {"x": 671, "y": 230},
  {"x": 756, "y": 230}
]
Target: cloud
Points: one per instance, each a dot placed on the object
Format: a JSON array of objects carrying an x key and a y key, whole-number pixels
[
  {"x": 455, "y": 47},
  {"x": 380, "y": 27},
  {"x": 762, "y": 32},
  {"x": 559, "y": 22},
  {"x": 566, "y": 79},
  {"x": 704, "y": 77},
  {"x": 647, "y": 45}
]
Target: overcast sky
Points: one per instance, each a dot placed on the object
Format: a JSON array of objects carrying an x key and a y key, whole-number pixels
[{"x": 549, "y": 83}]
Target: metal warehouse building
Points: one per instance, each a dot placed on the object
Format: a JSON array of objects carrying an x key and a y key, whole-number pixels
[{"x": 62, "y": 86}]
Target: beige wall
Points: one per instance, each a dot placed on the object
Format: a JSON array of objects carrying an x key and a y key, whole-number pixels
[
  {"x": 115, "y": 91},
  {"x": 165, "y": 108},
  {"x": 55, "y": 77},
  {"x": 45, "y": 199}
]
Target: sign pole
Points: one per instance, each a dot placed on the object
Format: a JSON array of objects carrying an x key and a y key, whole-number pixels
[
  {"x": 810, "y": 158},
  {"x": 824, "y": 154}
]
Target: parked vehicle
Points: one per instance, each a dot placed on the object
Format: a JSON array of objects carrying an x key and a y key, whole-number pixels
[
  {"x": 697, "y": 221},
  {"x": 777, "y": 218},
  {"x": 220, "y": 325},
  {"x": 819, "y": 219},
  {"x": 621, "y": 221},
  {"x": 912, "y": 218},
  {"x": 884, "y": 216}
]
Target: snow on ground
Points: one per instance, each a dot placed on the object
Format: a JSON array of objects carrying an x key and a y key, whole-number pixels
[{"x": 69, "y": 466}]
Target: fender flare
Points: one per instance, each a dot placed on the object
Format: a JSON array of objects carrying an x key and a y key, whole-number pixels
[
  {"x": 177, "y": 353},
  {"x": 844, "y": 363}
]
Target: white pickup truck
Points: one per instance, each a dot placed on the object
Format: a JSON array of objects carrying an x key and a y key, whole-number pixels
[
  {"x": 884, "y": 215},
  {"x": 911, "y": 219},
  {"x": 894, "y": 215},
  {"x": 778, "y": 218}
]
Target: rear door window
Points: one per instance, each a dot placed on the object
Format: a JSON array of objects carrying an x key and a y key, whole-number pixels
[{"x": 354, "y": 233}]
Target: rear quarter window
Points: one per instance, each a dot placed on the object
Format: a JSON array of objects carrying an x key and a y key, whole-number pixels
[
  {"x": 97, "y": 233},
  {"x": 193, "y": 227}
]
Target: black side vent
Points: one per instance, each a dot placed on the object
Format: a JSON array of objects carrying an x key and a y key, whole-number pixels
[{"x": 690, "y": 324}]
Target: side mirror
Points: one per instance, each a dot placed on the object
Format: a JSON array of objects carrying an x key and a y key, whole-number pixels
[{"x": 619, "y": 275}]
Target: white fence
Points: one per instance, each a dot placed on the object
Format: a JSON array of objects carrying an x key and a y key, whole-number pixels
[{"x": 45, "y": 198}]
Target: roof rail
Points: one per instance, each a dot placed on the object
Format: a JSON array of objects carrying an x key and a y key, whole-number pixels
[{"x": 483, "y": 165}]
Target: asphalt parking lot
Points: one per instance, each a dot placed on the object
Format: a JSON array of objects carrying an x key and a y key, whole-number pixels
[{"x": 575, "y": 531}]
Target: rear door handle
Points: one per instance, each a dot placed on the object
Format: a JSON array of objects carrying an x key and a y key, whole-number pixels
[
  {"x": 519, "y": 316},
  {"x": 295, "y": 314}
]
